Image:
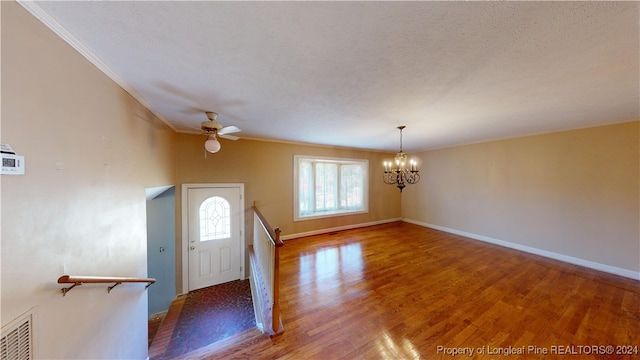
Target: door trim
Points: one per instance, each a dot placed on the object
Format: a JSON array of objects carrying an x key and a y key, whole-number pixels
[{"x": 185, "y": 227}]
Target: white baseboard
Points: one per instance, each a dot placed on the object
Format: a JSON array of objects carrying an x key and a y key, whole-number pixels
[
  {"x": 339, "y": 228},
  {"x": 548, "y": 254}
]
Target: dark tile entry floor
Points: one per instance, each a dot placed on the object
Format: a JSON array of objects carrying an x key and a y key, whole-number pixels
[{"x": 203, "y": 317}]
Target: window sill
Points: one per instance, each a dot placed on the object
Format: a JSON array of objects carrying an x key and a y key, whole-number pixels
[{"x": 327, "y": 214}]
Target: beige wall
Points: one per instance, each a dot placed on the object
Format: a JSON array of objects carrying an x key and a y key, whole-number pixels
[
  {"x": 90, "y": 151},
  {"x": 266, "y": 169},
  {"x": 573, "y": 193}
]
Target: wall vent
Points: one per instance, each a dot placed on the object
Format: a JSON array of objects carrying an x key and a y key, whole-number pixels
[{"x": 16, "y": 341}]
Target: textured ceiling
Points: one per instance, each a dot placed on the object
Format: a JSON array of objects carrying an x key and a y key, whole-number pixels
[{"x": 348, "y": 73}]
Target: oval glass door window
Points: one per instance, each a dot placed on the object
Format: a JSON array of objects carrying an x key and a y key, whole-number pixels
[{"x": 215, "y": 219}]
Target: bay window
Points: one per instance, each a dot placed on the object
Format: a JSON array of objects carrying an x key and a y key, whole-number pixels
[{"x": 329, "y": 187}]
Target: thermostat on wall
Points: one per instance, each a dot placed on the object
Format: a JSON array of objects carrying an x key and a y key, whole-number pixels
[{"x": 12, "y": 164}]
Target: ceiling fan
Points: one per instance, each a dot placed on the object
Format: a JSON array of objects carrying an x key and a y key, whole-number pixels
[{"x": 214, "y": 129}]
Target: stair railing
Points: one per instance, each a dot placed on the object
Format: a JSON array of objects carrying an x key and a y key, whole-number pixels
[{"x": 264, "y": 256}]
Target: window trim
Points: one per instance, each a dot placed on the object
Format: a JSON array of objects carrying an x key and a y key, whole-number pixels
[{"x": 335, "y": 160}]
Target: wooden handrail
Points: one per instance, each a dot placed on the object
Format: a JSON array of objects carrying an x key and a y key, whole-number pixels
[
  {"x": 274, "y": 235},
  {"x": 79, "y": 280}
]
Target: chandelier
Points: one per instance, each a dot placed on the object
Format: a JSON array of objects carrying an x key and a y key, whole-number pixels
[{"x": 396, "y": 173}]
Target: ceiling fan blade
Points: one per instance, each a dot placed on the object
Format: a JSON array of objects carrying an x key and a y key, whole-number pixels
[
  {"x": 228, "y": 130},
  {"x": 229, "y": 137}
]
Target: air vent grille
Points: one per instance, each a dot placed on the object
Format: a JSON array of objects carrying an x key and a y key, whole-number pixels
[{"x": 16, "y": 343}]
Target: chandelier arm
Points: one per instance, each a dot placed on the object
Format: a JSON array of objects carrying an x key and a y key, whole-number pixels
[
  {"x": 413, "y": 178},
  {"x": 389, "y": 179}
]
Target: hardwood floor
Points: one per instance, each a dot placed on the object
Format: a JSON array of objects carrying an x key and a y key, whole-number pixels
[{"x": 402, "y": 291}]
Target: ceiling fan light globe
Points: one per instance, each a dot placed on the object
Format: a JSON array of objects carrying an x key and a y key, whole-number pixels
[{"x": 212, "y": 145}]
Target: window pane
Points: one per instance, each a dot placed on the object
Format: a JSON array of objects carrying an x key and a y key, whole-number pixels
[
  {"x": 326, "y": 186},
  {"x": 351, "y": 186},
  {"x": 215, "y": 219},
  {"x": 305, "y": 187}
]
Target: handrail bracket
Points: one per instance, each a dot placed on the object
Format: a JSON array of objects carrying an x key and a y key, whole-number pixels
[
  {"x": 114, "y": 285},
  {"x": 67, "y": 289}
]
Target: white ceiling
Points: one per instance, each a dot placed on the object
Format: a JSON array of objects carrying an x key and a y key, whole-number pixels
[{"x": 348, "y": 73}]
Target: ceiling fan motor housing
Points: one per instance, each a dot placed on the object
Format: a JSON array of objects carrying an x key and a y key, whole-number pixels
[{"x": 210, "y": 126}]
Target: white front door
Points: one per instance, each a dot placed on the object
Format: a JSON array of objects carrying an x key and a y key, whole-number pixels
[{"x": 214, "y": 234}]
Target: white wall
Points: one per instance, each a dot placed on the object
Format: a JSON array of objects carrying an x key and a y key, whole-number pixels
[{"x": 90, "y": 151}]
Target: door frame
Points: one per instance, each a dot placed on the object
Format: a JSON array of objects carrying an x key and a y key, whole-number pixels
[{"x": 184, "y": 247}]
